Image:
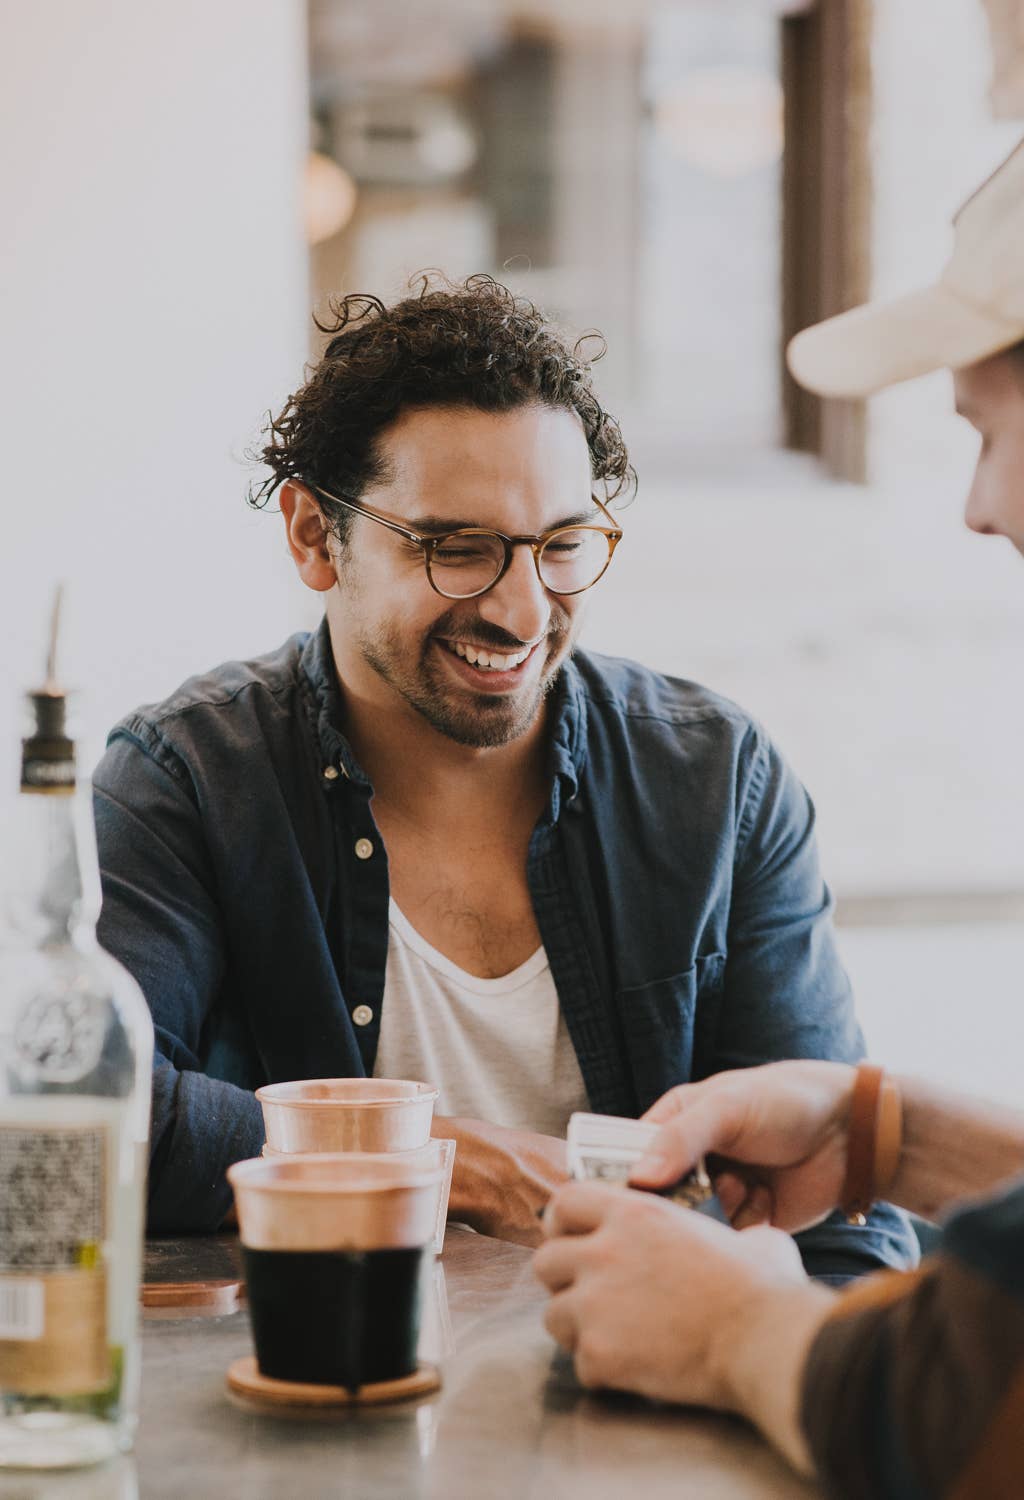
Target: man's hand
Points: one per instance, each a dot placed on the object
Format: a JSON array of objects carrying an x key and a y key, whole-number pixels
[
  {"x": 653, "y": 1298},
  {"x": 777, "y": 1136},
  {"x": 503, "y": 1178}
]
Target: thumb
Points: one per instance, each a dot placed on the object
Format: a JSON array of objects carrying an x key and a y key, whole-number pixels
[{"x": 709, "y": 1123}]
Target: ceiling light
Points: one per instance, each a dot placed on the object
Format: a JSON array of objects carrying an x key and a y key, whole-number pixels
[{"x": 329, "y": 197}]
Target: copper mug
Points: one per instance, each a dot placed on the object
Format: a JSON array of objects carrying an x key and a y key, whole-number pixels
[
  {"x": 334, "y": 1249},
  {"x": 435, "y": 1153},
  {"x": 347, "y": 1114}
]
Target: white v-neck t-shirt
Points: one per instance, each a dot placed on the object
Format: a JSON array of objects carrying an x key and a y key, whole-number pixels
[{"x": 498, "y": 1049}]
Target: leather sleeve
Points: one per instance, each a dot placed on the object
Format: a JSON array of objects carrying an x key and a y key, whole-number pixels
[{"x": 914, "y": 1387}]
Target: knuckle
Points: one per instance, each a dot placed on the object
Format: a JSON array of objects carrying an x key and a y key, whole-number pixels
[
  {"x": 639, "y": 1210},
  {"x": 593, "y": 1360},
  {"x": 675, "y": 1134},
  {"x": 541, "y": 1261},
  {"x": 586, "y": 1371}
]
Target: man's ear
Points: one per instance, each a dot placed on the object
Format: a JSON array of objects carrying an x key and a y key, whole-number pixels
[{"x": 307, "y": 536}]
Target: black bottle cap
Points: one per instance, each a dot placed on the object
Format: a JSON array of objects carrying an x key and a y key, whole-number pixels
[{"x": 48, "y": 754}]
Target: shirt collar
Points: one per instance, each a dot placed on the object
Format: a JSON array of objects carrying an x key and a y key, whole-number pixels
[
  {"x": 317, "y": 662},
  {"x": 567, "y": 750}
]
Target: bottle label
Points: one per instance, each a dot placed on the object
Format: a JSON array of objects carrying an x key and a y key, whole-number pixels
[
  {"x": 59, "y": 1038},
  {"x": 53, "y": 1284},
  {"x": 22, "y": 1308},
  {"x": 47, "y": 775}
]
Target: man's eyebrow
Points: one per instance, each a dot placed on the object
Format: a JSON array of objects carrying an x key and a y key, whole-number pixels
[{"x": 438, "y": 525}]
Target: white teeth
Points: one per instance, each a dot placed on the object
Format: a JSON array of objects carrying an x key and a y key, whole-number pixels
[{"x": 489, "y": 661}]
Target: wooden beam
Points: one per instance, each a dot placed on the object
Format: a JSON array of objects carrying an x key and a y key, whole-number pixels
[{"x": 826, "y": 209}]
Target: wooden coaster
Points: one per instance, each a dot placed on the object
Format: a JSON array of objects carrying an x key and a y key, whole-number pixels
[
  {"x": 293, "y": 1398},
  {"x": 177, "y": 1299}
]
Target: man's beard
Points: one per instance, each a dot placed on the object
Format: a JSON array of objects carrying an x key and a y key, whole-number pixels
[{"x": 482, "y": 720}]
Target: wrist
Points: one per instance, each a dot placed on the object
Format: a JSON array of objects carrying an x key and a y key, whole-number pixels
[
  {"x": 873, "y": 1140},
  {"x": 954, "y": 1147},
  {"x": 760, "y": 1355}
]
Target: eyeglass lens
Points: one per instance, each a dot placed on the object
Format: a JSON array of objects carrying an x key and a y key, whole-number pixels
[{"x": 570, "y": 561}]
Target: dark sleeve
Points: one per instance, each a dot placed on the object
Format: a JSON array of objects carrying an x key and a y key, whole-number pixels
[
  {"x": 160, "y": 920},
  {"x": 786, "y": 993},
  {"x": 914, "y": 1387}
]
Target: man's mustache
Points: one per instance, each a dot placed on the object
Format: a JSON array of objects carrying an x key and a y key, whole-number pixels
[{"x": 485, "y": 633}]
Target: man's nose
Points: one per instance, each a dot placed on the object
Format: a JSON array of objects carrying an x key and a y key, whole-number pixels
[{"x": 519, "y": 604}]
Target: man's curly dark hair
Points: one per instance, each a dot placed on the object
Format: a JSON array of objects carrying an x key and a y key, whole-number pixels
[{"x": 471, "y": 344}]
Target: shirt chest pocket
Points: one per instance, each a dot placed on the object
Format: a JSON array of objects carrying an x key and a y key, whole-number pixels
[{"x": 662, "y": 1023}]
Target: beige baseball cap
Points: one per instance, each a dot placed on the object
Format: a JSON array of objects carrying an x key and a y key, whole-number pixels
[{"x": 974, "y": 309}]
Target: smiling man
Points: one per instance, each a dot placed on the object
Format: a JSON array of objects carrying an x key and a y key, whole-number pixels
[{"x": 432, "y": 839}]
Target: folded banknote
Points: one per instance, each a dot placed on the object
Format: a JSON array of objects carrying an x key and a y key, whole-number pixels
[{"x": 606, "y": 1148}]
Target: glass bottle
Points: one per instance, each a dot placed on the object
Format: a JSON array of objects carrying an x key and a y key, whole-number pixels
[{"x": 76, "y": 1046}]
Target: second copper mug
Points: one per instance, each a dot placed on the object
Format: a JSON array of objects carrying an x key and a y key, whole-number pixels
[{"x": 347, "y": 1114}]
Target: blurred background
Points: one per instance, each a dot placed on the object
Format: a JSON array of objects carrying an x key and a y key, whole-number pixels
[{"x": 184, "y": 185}]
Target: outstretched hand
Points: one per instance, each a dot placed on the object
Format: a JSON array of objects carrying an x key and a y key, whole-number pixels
[{"x": 776, "y": 1137}]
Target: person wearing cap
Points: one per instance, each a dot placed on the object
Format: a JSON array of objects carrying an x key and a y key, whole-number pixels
[{"x": 911, "y": 1383}]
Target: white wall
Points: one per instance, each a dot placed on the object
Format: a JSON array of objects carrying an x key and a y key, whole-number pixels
[
  {"x": 153, "y": 306},
  {"x": 880, "y": 641},
  {"x": 942, "y": 1003},
  {"x": 935, "y": 141}
]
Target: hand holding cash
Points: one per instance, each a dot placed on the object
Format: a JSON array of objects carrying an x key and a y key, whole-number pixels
[{"x": 606, "y": 1148}]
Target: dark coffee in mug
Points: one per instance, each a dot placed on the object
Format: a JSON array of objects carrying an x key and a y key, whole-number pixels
[
  {"x": 334, "y": 1247},
  {"x": 335, "y": 1317}
]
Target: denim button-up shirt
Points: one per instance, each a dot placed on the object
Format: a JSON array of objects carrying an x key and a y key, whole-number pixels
[{"x": 673, "y": 875}]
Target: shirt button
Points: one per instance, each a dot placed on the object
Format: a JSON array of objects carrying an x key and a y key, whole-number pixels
[
  {"x": 362, "y": 1015},
  {"x": 364, "y": 848},
  {"x": 330, "y": 773}
]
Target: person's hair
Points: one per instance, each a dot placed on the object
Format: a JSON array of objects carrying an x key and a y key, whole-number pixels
[
  {"x": 1016, "y": 353},
  {"x": 467, "y": 344}
]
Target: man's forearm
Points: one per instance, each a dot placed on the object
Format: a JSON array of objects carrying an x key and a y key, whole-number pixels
[
  {"x": 200, "y": 1126},
  {"x": 953, "y": 1147},
  {"x": 764, "y": 1364}
]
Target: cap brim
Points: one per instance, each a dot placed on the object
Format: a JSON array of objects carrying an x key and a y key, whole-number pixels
[{"x": 880, "y": 344}]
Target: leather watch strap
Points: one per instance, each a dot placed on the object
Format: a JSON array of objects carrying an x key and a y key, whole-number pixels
[
  {"x": 859, "y": 1183},
  {"x": 888, "y": 1136}
]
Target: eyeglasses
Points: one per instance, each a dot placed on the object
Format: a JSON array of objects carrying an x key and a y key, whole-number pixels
[{"x": 465, "y": 563}]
